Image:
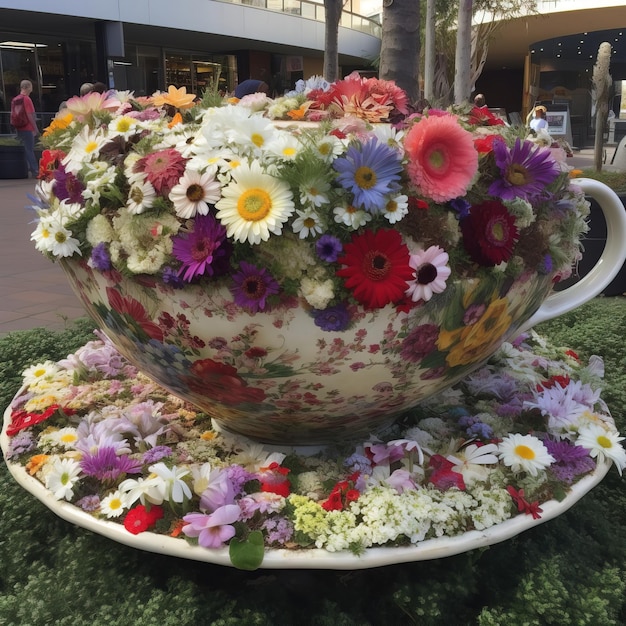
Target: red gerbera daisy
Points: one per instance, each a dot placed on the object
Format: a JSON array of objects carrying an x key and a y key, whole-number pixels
[
  {"x": 377, "y": 267},
  {"x": 489, "y": 233},
  {"x": 163, "y": 168}
]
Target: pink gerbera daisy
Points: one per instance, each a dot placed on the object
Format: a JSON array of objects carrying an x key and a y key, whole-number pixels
[
  {"x": 442, "y": 157},
  {"x": 163, "y": 169}
]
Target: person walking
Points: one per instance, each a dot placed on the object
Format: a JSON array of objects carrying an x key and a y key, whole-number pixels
[{"x": 25, "y": 123}]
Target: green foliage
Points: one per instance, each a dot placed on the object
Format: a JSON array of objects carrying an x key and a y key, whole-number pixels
[
  {"x": 614, "y": 180},
  {"x": 571, "y": 570}
]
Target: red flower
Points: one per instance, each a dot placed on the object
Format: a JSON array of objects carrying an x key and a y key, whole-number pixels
[
  {"x": 273, "y": 479},
  {"x": 562, "y": 381},
  {"x": 134, "y": 311},
  {"x": 163, "y": 168},
  {"x": 50, "y": 162},
  {"x": 489, "y": 233},
  {"x": 523, "y": 506},
  {"x": 342, "y": 494},
  {"x": 21, "y": 419},
  {"x": 417, "y": 203},
  {"x": 140, "y": 519},
  {"x": 484, "y": 117},
  {"x": 444, "y": 477},
  {"x": 222, "y": 383},
  {"x": 484, "y": 145},
  {"x": 378, "y": 267}
]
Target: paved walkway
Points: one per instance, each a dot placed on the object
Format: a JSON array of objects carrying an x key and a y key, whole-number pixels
[{"x": 34, "y": 291}]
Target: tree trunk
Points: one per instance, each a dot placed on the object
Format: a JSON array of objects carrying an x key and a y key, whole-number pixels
[
  {"x": 602, "y": 82},
  {"x": 399, "y": 54},
  {"x": 429, "y": 52},
  {"x": 333, "y": 9},
  {"x": 462, "y": 60}
]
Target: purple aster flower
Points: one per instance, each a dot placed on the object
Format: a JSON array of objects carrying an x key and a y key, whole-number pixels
[
  {"x": 105, "y": 464},
  {"x": 171, "y": 277},
  {"x": 154, "y": 455},
  {"x": 371, "y": 172},
  {"x": 100, "y": 257},
  {"x": 199, "y": 249},
  {"x": 278, "y": 530},
  {"x": 22, "y": 442},
  {"x": 570, "y": 460},
  {"x": 474, "y": 427},
  {"x": 253, "y": 285},
  {"x": 358, "y": 463},
  {"x": 328, "y": 248},
  {"x": 214, "y": 530},
  {"x": 526, "y": 170},
  {"x": 67, "y": 186},
  {"x": 238, "y": 477},
  {"x": 461, "y": 206},
  {"x": 335, "y": 318},
  {"x": 89, "y": 503}
]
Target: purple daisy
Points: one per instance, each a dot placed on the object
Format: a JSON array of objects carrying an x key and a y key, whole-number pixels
[
  {"x": 253, "y": 285},
  {"x": 100, "y": 257},
  {"x": 333, "y": 318},
  {"x": 200, "y": 249},
  {"x": 570, "y": 460},
  {"x": 67, "y": 186},
  {"x": 371, "y": 172},
  {"x": 526, "y": 170},
  {"x": 105, "y": 464},
  {"x": 328, "y": 248}
]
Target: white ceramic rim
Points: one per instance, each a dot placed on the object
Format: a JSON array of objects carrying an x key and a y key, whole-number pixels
[{"x": 308, "y": 558}]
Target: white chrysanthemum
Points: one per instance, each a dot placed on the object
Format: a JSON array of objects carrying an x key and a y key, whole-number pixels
[
  {"x": 524, "y": 453},
  {"x": 99, "y": 230},
  {"x": 141, "y": 196},
  {"x": 254, "y": 205},
  {"x": 317, "y": 293},
  {"x": 114, "y": 504},
  {"x": 63, "y": 244},
  {"x": 85, "y": 148},
  {"x": 62, "y": 477},
  {"x": 307, "y": 224},
  {"x": 284, "y": 146},
  {"x": 194, "y": 192},
  {"x": 351, "y": 216},
  {"x": 396, "y": 208},
  {"x": 603, "y": 444},
  {"x": 40, "y": 371}
]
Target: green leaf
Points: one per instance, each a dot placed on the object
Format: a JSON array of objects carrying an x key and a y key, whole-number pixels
[{"x": 247, "y": 553}]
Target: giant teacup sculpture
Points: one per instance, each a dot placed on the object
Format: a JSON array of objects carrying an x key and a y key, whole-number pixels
[{"x": 305, "y": 283}]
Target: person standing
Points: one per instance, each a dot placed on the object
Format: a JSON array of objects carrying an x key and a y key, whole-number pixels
[{"x": 26, "y": 124}]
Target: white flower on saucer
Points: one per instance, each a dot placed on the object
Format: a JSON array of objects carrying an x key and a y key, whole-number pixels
[
  {"x": 170, "y": 482},
  {"x": 524, "y": 453},
  {"x": 62, "y": 477},
  {"x": 114, "y": 504},
  {"x": 603, "y": 444}
]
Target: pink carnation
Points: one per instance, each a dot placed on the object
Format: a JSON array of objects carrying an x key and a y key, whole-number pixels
[
  {"x": 442, "y": 158},
  {"x": 163, "y": 169}
]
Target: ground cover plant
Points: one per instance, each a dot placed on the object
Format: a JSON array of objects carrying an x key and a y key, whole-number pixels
[{"x": 571, "y": 570}]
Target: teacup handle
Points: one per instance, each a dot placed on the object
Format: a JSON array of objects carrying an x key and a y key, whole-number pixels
[{"x": 608, "y": 265}]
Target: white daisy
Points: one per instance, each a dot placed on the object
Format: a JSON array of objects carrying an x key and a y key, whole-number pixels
[
  {"x": 524, "y": 453},
  {"x": 62, "y": 477},
  {"x": 396, "y": 208},
  {"x": 254, "y": 205},
  {"x": 328, "y": 148},
  {"x": 40, "y": 371},
  {"x": 603, "y": 444},
  {"x": 315, "y": 192},
  {"x": 308, "y": 223},
  {"x": 65, "y": 438},
  {"x": 284, "y": 146},
  {"x": 141, "y": 196},
  {"x": 114, "y": 504},
  {"x": 194, "y": 192},
  {"x": 85, "y": 147},
  {"x": 252, "y": 134},
  {"x": 351, "y": 216},
  {"x": 62, "y": 242},
  {"x": 123, "y": 126}
]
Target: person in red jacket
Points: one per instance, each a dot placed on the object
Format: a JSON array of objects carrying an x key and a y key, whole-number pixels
[{"x": 28, "y": 132}]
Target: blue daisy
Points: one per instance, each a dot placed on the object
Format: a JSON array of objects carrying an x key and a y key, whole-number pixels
[{"x": 370, "y": 171}]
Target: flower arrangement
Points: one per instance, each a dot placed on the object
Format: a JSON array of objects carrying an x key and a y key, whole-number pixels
[
  {"x": 340, "y": 195},
  {"x": 513, "y": 435}
]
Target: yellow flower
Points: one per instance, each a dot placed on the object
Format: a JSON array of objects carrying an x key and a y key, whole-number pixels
[
  {"x": 58, "y": 123},
  {"x": 476, "y": 341},
  {"x": 178, "y": 98}
]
